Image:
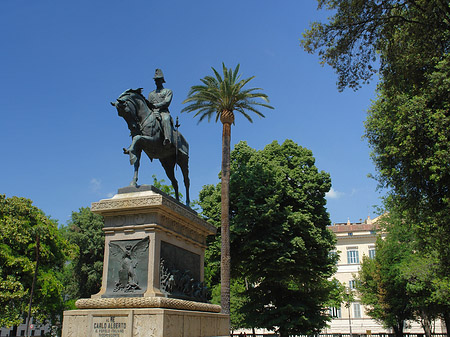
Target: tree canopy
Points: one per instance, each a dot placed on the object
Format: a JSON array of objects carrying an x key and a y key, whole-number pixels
[
  {"x": 22, "y": 225},
  {"x": 402, "y": 282},
  {"x": 403, "y": 39},
  {"x": 84, "y": 272},
  {"x": 381, "y": 284},
  {"x": 280, "y": 242}
]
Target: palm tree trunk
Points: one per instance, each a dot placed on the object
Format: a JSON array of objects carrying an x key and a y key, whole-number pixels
[{"x": 225, "y": 220}]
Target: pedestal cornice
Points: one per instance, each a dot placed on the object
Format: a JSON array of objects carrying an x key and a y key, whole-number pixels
[{"x": 149, "y": 202}]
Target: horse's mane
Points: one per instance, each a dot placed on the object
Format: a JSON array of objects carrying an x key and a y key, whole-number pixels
[{"x": 130, "y": 92}]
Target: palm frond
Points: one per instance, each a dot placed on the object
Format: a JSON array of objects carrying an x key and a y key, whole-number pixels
[{"x": 224, "y": 92}]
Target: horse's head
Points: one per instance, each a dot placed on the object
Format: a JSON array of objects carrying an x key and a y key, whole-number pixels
[
  {"x": 126, "y": 104},
  {"x": 129, "y": 106}
]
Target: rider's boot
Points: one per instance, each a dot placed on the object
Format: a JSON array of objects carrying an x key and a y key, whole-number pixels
[{"x": 167, "y": 129}]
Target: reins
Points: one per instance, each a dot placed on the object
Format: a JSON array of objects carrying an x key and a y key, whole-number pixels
[{"x": 136, "y": 107}]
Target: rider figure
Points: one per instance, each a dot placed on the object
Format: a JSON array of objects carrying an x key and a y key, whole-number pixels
[{"x": 159, "y": 101}]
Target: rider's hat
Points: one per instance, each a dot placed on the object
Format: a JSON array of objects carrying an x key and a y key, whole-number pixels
[{"x": 159, "y": 74}]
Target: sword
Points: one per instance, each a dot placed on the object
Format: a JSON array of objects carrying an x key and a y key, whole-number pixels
[{"x": 177, "y": 125}]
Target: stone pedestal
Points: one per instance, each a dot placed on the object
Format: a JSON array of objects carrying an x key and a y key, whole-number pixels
[
  {"x": 143, "y": 323},
  {"x": 152, "y": 274}
]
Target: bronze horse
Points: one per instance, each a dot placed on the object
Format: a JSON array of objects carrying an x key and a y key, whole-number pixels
[{"x": 147, "y": 134}]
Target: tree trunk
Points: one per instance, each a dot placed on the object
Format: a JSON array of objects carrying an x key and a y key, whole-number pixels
[
  {"x": 446, "y": 316},
  {"x": 225, "y": 220},
  {"x": 398, "y": 329},
  {"x": 426, "y": 324},
  {"x": 283, "y": 333},
  {"x": 27, "y": 329}
]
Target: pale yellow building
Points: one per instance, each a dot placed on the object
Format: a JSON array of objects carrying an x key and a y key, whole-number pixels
[{"x": 355, "y": 240}]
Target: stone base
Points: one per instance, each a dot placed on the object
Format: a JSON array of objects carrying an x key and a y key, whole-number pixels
[
  {"x": 149, "y": 322},
  {"x": 145, "y": 302}
]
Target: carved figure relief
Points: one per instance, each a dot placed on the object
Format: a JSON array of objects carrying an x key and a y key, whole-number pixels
[
  {"x": 179, "y": 274},
  {"x": 127, "y": 270},
  {"x": 181, "y": 284}
]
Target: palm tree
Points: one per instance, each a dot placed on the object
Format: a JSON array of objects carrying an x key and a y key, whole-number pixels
[{"x": 222, "y": 96}]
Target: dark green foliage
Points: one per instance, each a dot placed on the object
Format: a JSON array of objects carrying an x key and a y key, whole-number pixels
[
  {"x": 398, "y": 37},
  {"x": 237, "y": 301},
  {"x": 279, "y": 238},
  {"x": 21, "y": 224},
  {"x": 85, "y": 271},
  {"x": 409, "y": 134}
]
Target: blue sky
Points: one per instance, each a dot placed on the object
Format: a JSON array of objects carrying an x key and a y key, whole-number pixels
[{"x": 62, "y": 62}]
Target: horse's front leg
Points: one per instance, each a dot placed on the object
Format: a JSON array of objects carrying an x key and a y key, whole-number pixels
[
  {"x": 132, "y": 150},
  {"x": 136, "y": 169}
]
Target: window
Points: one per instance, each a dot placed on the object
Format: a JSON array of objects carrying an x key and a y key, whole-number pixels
[
  {"x": 335, "y": 312},
  {"x": 350, "y": 234},
  {"x": 352, "y": 256},
  {"x": 352, "y": 284},
  {"x": 372, "y": 252},
  {"x": 356, "y": 310}
]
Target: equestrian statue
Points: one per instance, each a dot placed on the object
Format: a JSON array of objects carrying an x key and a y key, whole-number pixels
[{"x": 152, "y": 131}]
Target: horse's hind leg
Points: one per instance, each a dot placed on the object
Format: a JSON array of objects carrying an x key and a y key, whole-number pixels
[
  {"x": 183, "y": 162},
  {"x": 169, "y": 166}
]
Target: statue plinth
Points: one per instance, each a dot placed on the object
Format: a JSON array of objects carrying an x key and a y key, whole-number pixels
[{"x": 152, "y": 274}]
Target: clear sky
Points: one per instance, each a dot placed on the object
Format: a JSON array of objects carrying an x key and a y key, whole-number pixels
[{"x": 62, "y": 62}]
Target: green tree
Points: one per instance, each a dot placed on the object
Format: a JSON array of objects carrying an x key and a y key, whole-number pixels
[
  {"x": 424, "y": 289},
  {"x": 84, "y": 275},
  {"x": 407, "y": 126},
  {"x": 403, "y": 39},
  {"x": 408, "y": 134},
  {"x": 222, "y": 96},
  {"x": 237, "y": 300},
  {"x": 381, "y": 283},
  {"x": 279, "y": 237},
  {"x": 27, "y": 235}
]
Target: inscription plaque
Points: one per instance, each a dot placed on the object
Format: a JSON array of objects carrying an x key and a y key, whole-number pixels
[{"x": 110, "y": 326}]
